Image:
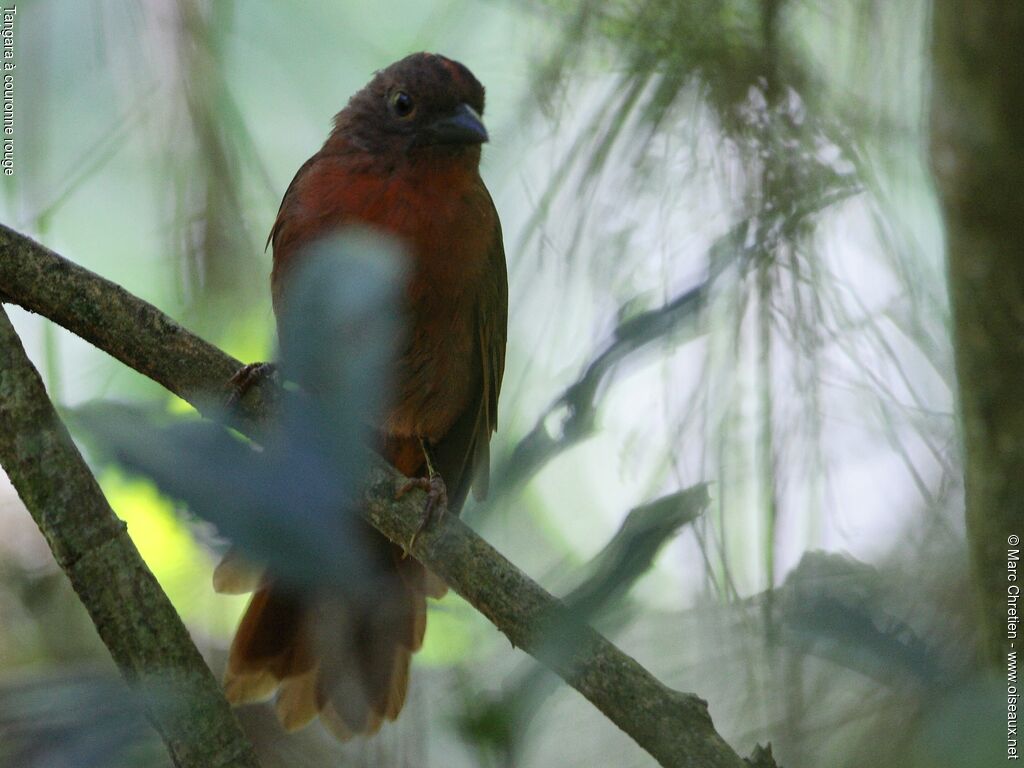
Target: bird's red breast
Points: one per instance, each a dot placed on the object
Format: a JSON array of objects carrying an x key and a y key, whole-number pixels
[{"x": 441, "y": 211}]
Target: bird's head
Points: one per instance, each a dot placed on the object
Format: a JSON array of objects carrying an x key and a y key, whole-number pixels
[{"x": 423, "y": 105}]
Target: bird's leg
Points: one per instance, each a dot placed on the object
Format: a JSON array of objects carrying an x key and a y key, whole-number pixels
[
  {"x": 246, "y": 378},
  {"x": 433, "y": 485}
]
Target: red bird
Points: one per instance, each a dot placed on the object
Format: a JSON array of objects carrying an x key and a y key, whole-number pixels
[{"x": 403, "y": 158}]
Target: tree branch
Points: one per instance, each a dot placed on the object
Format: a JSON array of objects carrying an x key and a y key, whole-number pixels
[
  {"x": 122, "y": 325},
  {"x": 133, "y": 616},
  {"x": 611, "y": 574},
  {"x": 674, "y": 727}
]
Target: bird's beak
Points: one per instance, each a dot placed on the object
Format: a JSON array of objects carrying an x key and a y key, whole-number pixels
[{"x": 463, "y": 126}]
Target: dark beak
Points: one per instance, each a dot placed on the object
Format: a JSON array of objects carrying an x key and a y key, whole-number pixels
[{"x": 463, "y": 126}]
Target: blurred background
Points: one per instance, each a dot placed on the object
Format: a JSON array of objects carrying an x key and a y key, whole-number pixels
[{"x": 717, "y": 216}]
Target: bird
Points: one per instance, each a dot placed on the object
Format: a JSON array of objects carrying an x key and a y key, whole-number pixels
[{"x": 403, "y": 158}]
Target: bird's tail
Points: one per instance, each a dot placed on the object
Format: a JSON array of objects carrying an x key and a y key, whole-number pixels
[{"x": 342, "y": 658}]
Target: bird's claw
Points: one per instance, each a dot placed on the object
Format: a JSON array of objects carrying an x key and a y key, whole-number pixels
[
  {"x": 437, "y": 501},
  {"x": 246, "y": 378}
]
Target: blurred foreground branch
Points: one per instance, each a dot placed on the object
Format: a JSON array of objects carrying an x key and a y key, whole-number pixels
[
  {"x": 132, "y": 615},
  {"x": 678, "y": 320},
  {"x": 579, "y": 400},
  {"x": 672, "y": 726}
]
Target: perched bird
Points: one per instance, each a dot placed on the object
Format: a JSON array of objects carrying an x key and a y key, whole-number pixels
[{"x": 403, "y": 158}]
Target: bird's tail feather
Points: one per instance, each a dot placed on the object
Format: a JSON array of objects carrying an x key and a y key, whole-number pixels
[{"x": 343, "y": 659}]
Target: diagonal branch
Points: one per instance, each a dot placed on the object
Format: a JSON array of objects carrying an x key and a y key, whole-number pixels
[
  {"x": 611, "y": 574},
  {"x": 674, "y": 727},
  {"x": 133, "y": 616}
]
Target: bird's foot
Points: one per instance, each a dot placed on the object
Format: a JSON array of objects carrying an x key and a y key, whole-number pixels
[
  {"x": 437, "y": 501},
  {"x": 245, "y": 378}
]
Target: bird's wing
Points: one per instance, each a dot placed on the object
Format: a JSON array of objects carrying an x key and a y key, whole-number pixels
[
  {"x": 463, "y": 454},
  {"x": 493, "y": 330}
]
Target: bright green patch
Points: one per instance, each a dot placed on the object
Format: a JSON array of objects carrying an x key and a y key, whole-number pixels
[
  {"x": 453, "y": 632},
  {"x": 181, "y": 566}
]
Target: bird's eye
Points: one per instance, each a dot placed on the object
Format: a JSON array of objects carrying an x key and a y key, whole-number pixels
[{"x": 402, "y": 104}]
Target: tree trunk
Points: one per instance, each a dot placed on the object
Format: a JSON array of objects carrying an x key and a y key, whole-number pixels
[{"x": 977, "y": 155}]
